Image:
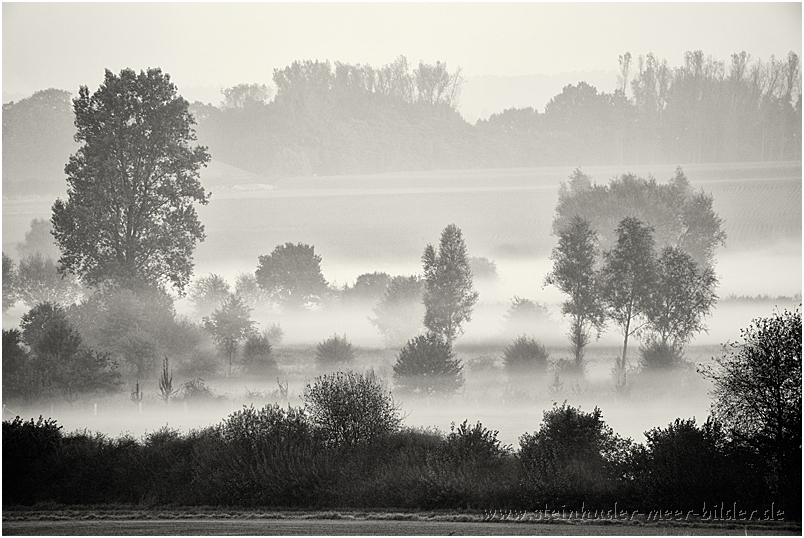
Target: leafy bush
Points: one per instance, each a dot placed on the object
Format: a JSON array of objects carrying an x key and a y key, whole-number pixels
[
  {"x": 427, "y": 366},
  {"x": 351, "y": 408},
  {"x": 657, "y": 356},
  {"x": 525, "y": 355},
  {"x": 335, "y": 350},
  {"x": 29, "y": 448},
  {"x": 197, "y": 391},
  {"x": 258, "y": 354},
  {"x": 524, "y": 315},
  {"x": 573, "y": 458}
]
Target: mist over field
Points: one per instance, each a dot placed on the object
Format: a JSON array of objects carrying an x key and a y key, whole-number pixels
[{"x": 363, "y": 224}]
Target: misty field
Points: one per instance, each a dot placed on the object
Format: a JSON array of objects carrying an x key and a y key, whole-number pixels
[{"x": 361, "y": 224}]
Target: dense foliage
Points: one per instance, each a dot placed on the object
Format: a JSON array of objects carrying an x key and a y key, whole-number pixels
[{"x": 287, "y": 458}]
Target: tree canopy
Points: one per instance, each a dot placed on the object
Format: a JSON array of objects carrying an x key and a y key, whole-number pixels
[
  {"x": 291, "y": 275},
  {"x": 129, "y": 216}
]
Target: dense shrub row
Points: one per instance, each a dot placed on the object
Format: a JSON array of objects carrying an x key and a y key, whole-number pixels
[{"x": 276, "y": 457}]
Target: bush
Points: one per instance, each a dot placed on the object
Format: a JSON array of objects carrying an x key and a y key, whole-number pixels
[
  {"x": 351, "y": 408},
  {"x": 524, "y": 315},
  {"x": 525, "y": 355},
  {"x": 427, "y": 366},
  {"x": 657, "y": 357},
  {"x": 29, "y": 449},
  {"x": 334, "y": 351},
  {"x": 197, "y": 391},
  {"x": 573, "y": 458},
  {"x": 258, "y": 354}
]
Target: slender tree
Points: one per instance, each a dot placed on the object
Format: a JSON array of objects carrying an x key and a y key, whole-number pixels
[
  {"x": 129, "y": 214},
  {"x": 628, "y": 278},
  {"x": 574, "y": 273},
  {"x": 229, "y": 325},
  {"x": 448, "y": 292},
  {"x": 682, "y": 297}
]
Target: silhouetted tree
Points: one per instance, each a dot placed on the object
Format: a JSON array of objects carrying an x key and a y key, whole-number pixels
[
  {"x": 448, "y": 292},
  {"x": 60, "y": 360},
  {"x": 757, "y": 395},
  {"x": 129, "y": 215}
]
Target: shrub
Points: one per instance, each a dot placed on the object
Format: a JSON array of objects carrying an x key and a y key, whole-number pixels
[
  {"x": 29, "y": 449},
  {"x": 334, "y": 350},
  {"x": 258, "y": 354},
  {"x": 657, "y": 356},
  {"x": 524, "y": 315},
  {"x": 427, "y": 366},
  {"x": 525, "y": 354},
  {"x": 573, "y": 458},
  {"x": 275, "y": 333},
  {"x": 197, "y": 391},
  {"x": 351, "y": 408}
]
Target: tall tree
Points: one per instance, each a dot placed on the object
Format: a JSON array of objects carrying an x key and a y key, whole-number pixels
[
  {"x": 129, "y": 215},
  {"x": 574, "y": 273},
  {"x": 627, "y": 283},
  {"x": 448, "y": 292}
]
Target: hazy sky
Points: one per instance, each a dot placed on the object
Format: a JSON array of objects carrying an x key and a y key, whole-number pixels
[{"x": 64, "y": 45}]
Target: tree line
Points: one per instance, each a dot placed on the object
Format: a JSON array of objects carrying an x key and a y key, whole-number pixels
[{"x": 341, "y": 118}]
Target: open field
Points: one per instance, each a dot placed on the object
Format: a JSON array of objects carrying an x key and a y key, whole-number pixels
[{"x": 193, "y": 523}]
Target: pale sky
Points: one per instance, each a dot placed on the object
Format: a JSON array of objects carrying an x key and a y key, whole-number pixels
[{"x": 64, "y": 45}]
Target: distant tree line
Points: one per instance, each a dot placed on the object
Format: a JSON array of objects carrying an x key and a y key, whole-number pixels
[{"x": 344, "y": 118}]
